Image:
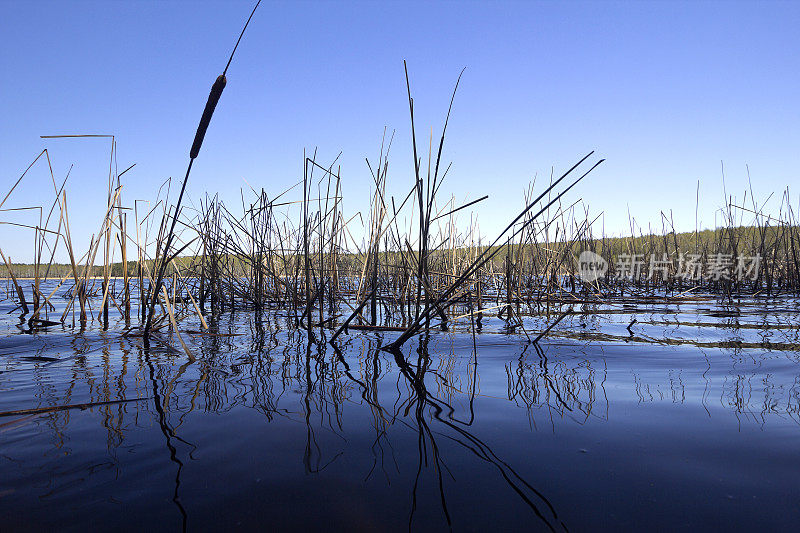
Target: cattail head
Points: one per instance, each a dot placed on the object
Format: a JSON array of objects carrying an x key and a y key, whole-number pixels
[{"x": 211, "y": 104}]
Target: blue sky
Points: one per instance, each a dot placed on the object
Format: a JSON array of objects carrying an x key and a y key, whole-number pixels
[{"x": 664, "y": 91}]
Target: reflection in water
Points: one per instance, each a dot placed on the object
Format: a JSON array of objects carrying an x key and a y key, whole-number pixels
[
  {"x": 421, "y": 401},
  {"x": 564, "y": 389},
  {"x": 442, "y": 434},
  {"x": 169, "y": 435}
]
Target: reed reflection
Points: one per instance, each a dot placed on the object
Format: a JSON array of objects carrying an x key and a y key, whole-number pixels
[{"x": 337, "y": 393}]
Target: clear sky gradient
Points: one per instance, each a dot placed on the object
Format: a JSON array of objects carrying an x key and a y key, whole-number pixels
[{"x": 664, "y": 91}]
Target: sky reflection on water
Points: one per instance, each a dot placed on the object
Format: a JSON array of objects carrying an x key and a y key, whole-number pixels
[{"x": 266, "y": 429}]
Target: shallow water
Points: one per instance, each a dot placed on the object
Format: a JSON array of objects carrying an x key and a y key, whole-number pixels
[{"x": 689, "y": 420}]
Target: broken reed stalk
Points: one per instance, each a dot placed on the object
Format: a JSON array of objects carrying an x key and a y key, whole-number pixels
[
  {"x": 20, "y": 292},
  {"x": 551, "y": 326},
  {"x": 175, "y": 324},
  {"x": 88, "y": 405}
]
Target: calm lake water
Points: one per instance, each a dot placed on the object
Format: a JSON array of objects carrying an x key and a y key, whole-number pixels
[{"x": 689, "y": 420}]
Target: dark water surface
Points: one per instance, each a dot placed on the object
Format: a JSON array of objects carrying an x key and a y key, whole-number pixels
[{"x": 688, "y": 422}]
